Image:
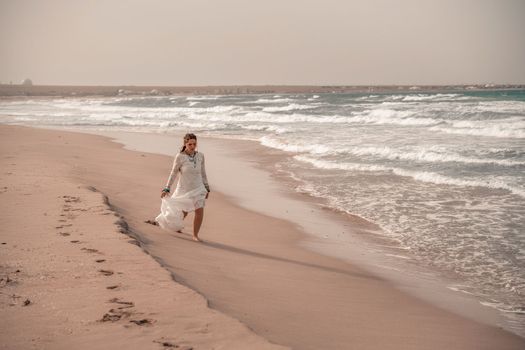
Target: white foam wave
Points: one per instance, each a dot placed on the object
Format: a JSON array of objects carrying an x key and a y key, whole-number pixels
[
  {"x": 322, "y": 164},
  {"x": 136, "y": 110},
  {"x": 507, "y": 107},
  {"x": 411, "y": 98},
  {"x": 290, "y": 107},
  {"x": 423, "y": 176},
  {"x": 203, "y": 98},
  {"x": 377, "y": 117},
  {"x": 490, "y": 130},
  {"x": 433, "y": 97},
  {"x": 313, "y": 98},
  {"x": 514, "y": 123},
  {"x": 431, "y": 177},
  {"x": 272, "y": 128},
  {"x": 275, "y": 100},
  {"x": 268, "y": 117},
  {"x": 201, "y": 126},
  {"x": 24, "y": 119},
  {"x": 314, "y": 149},
  {"x": 426, "y": 155},
  {"x": 389, "y": 116},
  {"x": 504, "y": 307}
]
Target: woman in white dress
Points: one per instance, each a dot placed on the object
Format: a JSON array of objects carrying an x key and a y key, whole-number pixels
[{"x": 191, "y": 192}]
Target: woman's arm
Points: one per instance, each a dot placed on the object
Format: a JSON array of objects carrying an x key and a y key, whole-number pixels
[
  {"x": 204, "y": 176},
  {"x": 174, "y": 171}
]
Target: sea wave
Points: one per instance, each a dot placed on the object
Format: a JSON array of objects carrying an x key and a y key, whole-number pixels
[
  {"x": 493, "y": 130},
  {"x": 427, "y": 155},
  {"x": 434, "y": 97},
  {"x": 422, "y": 176},
  {"x": 204, "y": 98},
  {"x": 393, "y": 117},
  {"x": 507, "y": 107},
  {"x": 274, "y": 100},
  {"x": 290, "y": 107},
  {"x": 273, "y": 128},
  {"x": 260, "y": 116},
  {"x": 377, "y": 117},
  {"x": 314, "y": 149},
  {"x": 421, "y": 97}
]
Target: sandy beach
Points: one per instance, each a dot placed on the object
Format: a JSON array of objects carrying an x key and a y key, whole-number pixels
[
  {"x": 80, "y": 268},
  {"x": 71, "y": 276}
]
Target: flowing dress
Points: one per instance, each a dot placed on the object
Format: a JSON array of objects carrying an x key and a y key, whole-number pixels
[{"x": 190, "y": 193}]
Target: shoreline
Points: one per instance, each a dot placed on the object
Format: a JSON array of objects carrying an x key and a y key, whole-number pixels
[{"x": 229, "y": 244}]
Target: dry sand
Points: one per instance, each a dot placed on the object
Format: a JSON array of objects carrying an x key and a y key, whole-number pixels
[{"x": 249, "y": 267}]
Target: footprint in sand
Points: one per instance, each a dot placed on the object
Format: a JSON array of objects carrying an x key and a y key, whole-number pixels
[
  {"x": 100, "y": 260},
  {"x": 127, "y": 305},
  {"x": 111, "y": 318},
  {"x": 170, "y": 344},
  {"x": 90, "y": 250},
  {"x": 64, "y": 234},
  {"x": 113, "y": 287},
  {"x": 75, "y": 241},
  {"x": 62, "y": 226},
  {"x": 5, "y": 281},
  {"x": 115, "y": 315},
  {"x": 120, "y": 312},
  {"x": 72, "y": 199},
  {"x": 134, "y": 241},
  {"x": 106, "y": 272},
  {"x": 122, "y": 302},
  {"x": 143, "y": 322}
]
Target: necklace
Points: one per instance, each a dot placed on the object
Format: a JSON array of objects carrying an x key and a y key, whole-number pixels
[{"x": 193, "y": 158}]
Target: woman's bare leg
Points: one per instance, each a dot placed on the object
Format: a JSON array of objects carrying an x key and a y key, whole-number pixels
[
  {"x": 183, "y": 217},
  {"x": 197, "y": 222}
]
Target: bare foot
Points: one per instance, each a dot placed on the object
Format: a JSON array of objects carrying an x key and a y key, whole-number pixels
[
  {"x": 196, "y": 239},
  {"x": 152, "y": 222}
]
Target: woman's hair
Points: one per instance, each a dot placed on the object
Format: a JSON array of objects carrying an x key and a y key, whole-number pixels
[{"x": 187, "y": 137}]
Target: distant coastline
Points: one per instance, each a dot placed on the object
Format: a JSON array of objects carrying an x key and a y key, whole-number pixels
[{"x": 15, "y": 90}]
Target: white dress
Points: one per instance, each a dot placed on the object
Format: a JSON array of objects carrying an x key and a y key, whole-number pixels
[{"x": 190, "y": 193}]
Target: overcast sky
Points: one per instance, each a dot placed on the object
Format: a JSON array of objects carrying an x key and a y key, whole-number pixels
[{"x": 227, "y": 42}]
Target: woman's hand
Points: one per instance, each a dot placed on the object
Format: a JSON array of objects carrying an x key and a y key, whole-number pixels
[
  {"x": 207, "y": 194},
  {"x": 164, "y": 194}
]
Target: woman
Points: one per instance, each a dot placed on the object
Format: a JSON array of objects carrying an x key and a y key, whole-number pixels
[{"x": 191, "y": 191}]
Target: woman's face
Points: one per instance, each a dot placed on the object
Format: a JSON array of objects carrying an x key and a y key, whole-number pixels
[{"x": 191, "y": 144}]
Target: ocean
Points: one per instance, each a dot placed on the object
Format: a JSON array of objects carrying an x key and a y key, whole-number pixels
[{"x": 441, "y": 173}]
